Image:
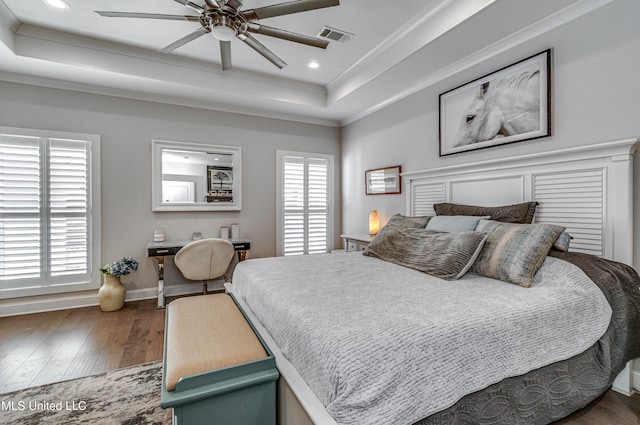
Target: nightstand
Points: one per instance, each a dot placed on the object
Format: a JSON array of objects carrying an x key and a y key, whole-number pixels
[{"x": 356, "y": 242}]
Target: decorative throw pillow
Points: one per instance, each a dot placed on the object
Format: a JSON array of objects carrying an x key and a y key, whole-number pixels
[
  {"x": 418, "y": 222},
  {"x": 444, "y": 255},
  {"x": 563, "y": 242},
  {"x": 455, "y": 223},
  {"x": 514, "y": 252},
  {"x": 517, "y": 213}
]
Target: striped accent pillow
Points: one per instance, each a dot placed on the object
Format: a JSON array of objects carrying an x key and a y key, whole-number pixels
[
  {"x": 444, "y": 255},
  {"x": 514, "y": 252}
]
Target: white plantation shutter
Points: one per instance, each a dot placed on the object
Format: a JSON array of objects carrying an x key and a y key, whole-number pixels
[
  {"x": 304, "y": 193},
  {"x": 46, "y": 230},
  {"x": 318, "y": 205},
  {"x": 69, "y": 208},
  {"x": 20, "y": 208},
  {"x": 294, "y": 206}
]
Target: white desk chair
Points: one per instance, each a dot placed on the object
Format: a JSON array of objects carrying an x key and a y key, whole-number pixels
[{"x": 204, "y": 260}]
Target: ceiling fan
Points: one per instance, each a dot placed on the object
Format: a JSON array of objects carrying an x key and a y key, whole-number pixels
[{"x": 225, "y": 20}]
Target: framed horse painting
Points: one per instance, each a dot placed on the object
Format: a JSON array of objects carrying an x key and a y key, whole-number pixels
[{"x": 510, "y": 105}]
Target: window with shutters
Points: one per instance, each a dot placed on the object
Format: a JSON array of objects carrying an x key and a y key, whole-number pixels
[
  {"x": 48, "y": 235},
  {"x": 304, "y": 203}
]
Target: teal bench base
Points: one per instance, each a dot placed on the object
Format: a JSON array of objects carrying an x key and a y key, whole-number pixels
[{"x": 242, "y": 394}]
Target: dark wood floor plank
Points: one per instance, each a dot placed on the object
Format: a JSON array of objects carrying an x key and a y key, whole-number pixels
[
  {"x": 10, "y": 325},
  {"x": 53, "y": 371},
  {"x": 81, "y": 365},
  {"x": 23, "y": 375},
  {"x": 99, "y": 331},
  {"x": 611, "y": 408},
  {"x": 29, "y": 330},
  {"x": 155, "y": 348},
  {"x": 24, "y": 357},
  {"x": 138, "y": 339},
  {"x": 50, "y": 344},
  {"x": 110, "y": 354}
]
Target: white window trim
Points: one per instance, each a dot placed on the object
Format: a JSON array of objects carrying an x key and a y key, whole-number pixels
[
  {"x": 280, "y": 154},
  {"x": 95, "y": 232}
]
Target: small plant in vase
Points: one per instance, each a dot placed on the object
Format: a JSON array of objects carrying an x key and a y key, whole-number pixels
[
  {"x": 120, "y": 267},
  {"x": 112, "y": 293}
]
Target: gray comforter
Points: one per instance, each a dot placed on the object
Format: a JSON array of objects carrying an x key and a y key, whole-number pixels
[
  {"x": 556, "y": 390},
  {"x": 383, "y": 344}
]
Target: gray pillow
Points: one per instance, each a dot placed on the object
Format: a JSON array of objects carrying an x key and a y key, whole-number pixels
[
  {"x": 514, "y": 252},
  {"x": 418, "y": 221},
  {"x": 517, "y": 213},
  {"x": 444, "y": 255},
  {"x": 563, "y": 242},
  {"x": 455, "y": 223}
]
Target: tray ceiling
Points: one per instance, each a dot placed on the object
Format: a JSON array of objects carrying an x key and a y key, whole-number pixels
[{"x": 397, "y": 48}]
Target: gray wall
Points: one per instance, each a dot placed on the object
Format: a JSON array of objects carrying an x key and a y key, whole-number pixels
[
  {"x": 126, "y": 128},
  {"x": 596, "y": 98}
]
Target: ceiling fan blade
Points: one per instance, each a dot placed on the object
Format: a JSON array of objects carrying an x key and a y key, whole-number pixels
[
  {"x": 147, "y": 16},
  {"x": 288, "y": 8},
  {"x": 225, "y": 55},
  {"x": 191, "y": 5},
  {"x": 260, "y": 48},
  {"x": 212, "y": 4},
  {"x": 235, "y": 4},
  {"x": 184, "y": 40},
  {"x": 287, "y": 35}
]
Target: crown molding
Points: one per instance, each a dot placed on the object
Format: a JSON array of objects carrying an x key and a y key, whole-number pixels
[
  {"x": 405, "y": 42},
  {"x": 562, "y": 17}
]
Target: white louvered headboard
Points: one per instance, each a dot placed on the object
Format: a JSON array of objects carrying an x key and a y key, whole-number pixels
[{"x": 588, "y": 189}]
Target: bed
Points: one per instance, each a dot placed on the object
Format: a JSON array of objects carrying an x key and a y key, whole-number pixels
[{"x": 349, "y": 331}]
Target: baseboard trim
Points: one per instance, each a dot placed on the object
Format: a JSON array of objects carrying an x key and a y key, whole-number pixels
[
  {"x": 65, "y": 302},
  {"x": 15, "y": 308}
]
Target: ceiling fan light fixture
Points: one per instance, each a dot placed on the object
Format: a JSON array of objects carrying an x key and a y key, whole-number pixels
[
  {"x": 225, "y": 20},
  {"x": 223, "y": 33},
  {"x": 58, "y": 4}
]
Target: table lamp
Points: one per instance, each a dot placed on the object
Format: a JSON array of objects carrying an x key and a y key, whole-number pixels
[{"x": 374, "y": 222}]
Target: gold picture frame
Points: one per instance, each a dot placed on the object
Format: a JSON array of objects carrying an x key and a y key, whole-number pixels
[{"x": 383, "y": 181}]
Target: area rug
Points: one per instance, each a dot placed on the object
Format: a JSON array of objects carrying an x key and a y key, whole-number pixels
[{"x": 129, "y": 396}]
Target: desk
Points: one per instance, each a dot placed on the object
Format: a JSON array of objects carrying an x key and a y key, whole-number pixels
[{"x": 159, "y": 250}]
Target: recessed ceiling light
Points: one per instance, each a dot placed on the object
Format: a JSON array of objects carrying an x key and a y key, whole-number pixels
[
  {"x": 58, "y": 4},
  {"x": 314, "y": 65}
]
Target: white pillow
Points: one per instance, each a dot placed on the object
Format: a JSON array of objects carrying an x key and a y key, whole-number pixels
[{"x": 454, "y": 223}]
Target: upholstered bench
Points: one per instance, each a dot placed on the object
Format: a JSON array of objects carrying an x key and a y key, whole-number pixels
[{"x": 216, "y": 370}]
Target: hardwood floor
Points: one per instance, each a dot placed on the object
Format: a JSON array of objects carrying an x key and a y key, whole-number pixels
[
  {"x": 41, "y": 348},
  {"x": 37, "y": 349},
  {"x": 611, "y": 408}
]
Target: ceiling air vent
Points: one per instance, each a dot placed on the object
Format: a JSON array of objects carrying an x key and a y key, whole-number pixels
[{"x": 333, "y": 34}]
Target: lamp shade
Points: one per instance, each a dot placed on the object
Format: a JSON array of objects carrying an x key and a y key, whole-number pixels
[{"x": 374, "y": 222}]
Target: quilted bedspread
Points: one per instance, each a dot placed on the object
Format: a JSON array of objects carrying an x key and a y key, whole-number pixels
[{"x": 382, "y": 344}]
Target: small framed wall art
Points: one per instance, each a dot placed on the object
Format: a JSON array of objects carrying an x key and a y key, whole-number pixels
[
  {"x": 383, "y": 181},
  {"x": 510, "y": 105}
]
